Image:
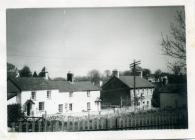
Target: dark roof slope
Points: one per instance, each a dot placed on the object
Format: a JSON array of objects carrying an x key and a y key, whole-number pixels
[
  {"x": 84, "y": 86},
  {"x": 174, "y": 88},
  {"x": 12, "y": 89},
  {"x": 63, "y": 86},
  {"x": 140, "y": 82},
  {"x": 30, "y": 84}
]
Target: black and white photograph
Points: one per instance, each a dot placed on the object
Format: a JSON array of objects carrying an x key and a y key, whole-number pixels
[{"x": 96, "y": 69}]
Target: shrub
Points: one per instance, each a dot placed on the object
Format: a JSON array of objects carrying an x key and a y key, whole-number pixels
[{"x": 14, "y": 113}]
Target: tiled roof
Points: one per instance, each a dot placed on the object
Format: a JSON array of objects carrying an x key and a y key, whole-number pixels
[
  {"x": 84, "y": 86},
  {"x": 12, "y": 89},
  {"x": 30, "y": 84},
  {"x": 63, "y": 86},
  {"x": 140, "y": 82}
]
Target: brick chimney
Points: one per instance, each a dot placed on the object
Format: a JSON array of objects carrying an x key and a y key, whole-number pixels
[
  {"x": 115, "y": 73},
  {"x": 70, "y": 77},
  {"x": 46, "y": 74}
]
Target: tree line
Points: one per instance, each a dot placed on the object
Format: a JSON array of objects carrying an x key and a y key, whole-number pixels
[
  {"x": 13, "y": 71},
  {"x": 93, "y": 75}
]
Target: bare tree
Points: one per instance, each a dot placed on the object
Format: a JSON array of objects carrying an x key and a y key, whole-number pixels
[
  {"x": 107, "y": 74},
  {"x": 175, "y": 44},
  {"x": 94, "y": 76}
]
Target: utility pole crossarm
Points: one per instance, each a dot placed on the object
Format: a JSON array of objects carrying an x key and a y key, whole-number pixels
[{"x": 133, "y": 65}]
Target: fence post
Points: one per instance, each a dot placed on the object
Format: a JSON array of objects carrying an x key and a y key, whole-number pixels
[
  {"x": 49, "y": 128},
  {"x": 169, "y": 120},
  {"x": 110, "y": 122},
  {"x": 73, "y": 124},
  {"x": 26, "y": 127},
  {"x": 83, "y": 124},
  {"x": 62, "y": 126},
  {"x": 13, "y": 125},
  {"x": 130, "y": 121},
  {"x": 127, "y": 122},
  {"x": 57, "y": 126},
  {"x": 119, "y": 122},
  {"x": 101, "y": 123},
  {"x": 39, "y": 124},
  {"x": 88, "y": 124},
  {"x": 45, "y": 126},
  {"x": 68, "y": 124},
  {"x": 97, "y": 123},
  {"x": 20, "y": 126},
  {"x": 93, "y": 124},
  {"x": 80, "y": 124}
]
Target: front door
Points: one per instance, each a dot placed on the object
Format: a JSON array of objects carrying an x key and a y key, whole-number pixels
[{"x": 28, "y": 108}]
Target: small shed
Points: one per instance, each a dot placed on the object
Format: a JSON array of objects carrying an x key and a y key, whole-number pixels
[{"x": 173, "y": 96}]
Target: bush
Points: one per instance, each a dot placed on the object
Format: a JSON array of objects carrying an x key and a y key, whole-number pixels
[{"x": 14, "y": 113}]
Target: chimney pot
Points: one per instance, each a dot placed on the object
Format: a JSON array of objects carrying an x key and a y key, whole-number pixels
[
  {"x": 115, "y": 73},
  {"x": 70, "y": 77}
]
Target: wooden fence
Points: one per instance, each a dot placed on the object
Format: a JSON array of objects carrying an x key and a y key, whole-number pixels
[{"x": 152, "y": 120}]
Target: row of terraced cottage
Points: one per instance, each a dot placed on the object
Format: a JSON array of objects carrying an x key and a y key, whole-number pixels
[{"x": 40, "y": 96}]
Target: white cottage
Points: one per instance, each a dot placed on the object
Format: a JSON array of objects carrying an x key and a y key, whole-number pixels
[{"x": 39, "y": 96}]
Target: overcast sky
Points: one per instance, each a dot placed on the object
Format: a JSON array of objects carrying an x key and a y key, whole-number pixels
[{"x": 81, "y": 39}]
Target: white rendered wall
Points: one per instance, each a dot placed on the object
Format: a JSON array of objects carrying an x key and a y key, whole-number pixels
[
  {"x": 51, "y": 106},
  {"x": 147, "y": 93},
  {"x": 79, "y": 101},
  {"x": 12, "y": 101},
  {"x": 41, "y": 96}
]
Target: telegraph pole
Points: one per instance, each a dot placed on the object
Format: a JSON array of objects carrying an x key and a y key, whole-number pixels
[{"x": 133, "y": 66}]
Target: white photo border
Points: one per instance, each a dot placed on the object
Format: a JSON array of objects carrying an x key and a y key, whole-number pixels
[{"x": 130, "y": 134}]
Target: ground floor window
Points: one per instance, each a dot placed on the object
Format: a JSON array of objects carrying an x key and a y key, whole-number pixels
[
  {"x": 60, "y": 108},
  {"x": 70, "y": 106},
  {"x": 88, "y": 106},
  {"x": 41, "y": 106},
  {"x": 148, "y": 103}
]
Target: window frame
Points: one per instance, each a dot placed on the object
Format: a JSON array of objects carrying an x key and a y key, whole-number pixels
[
  {"x": 43, "y": 107},
  {"x": 70, "y": 106},
  {"x": 60, "y": 108},
  {"x": 148, "y": 102},
  {"x": 49, "y": 91},
  {"x": 70, "y": 94},
  {"x": 88, "y": 106},
  {"x": 88, "y": 94},
  {"x": 33, "y": 95}
]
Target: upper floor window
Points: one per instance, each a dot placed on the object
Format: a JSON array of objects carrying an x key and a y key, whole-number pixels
[
  {"x": 70, "y": 106},
  {"x": 48, "y": 94},
  {"x": 88, "y": 93},
  {"x": 88, "y": 106},
  {"x": 33, "y": 95},
  {"x": 70, "y": 94},
  {"x": 41, "y": 106},
  {"x": 148, "y": 103},
  {"x": 60, "y": 108}
]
